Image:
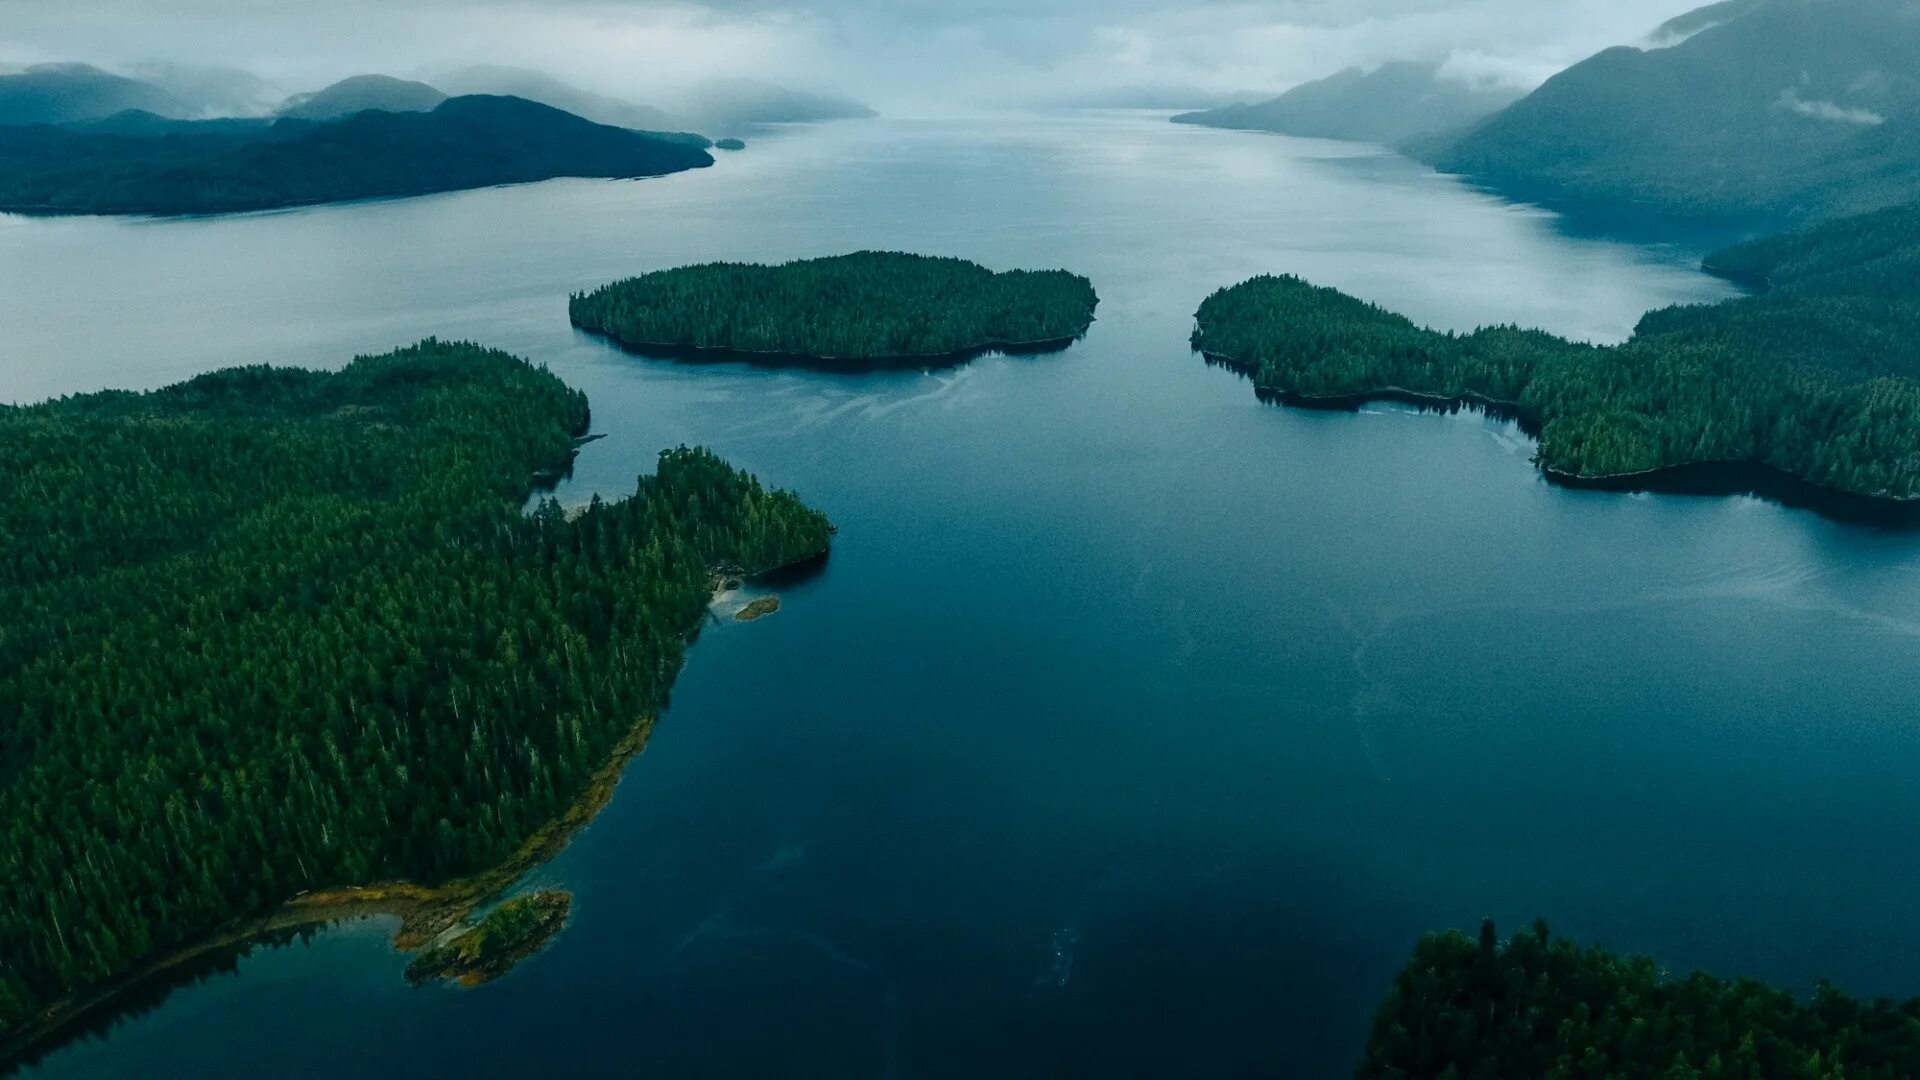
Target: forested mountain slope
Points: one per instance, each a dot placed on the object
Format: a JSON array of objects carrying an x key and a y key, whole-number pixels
[
  {"x": 1394, "y": 104},
  {"x": 1794, "y": 108},
  {"x": 221, "y": 166}
]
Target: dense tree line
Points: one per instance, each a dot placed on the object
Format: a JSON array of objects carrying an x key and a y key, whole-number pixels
[
  {"x": 1542, "y": 1008},
  {"x": 182, "y": 167},
  {"x": 870, "y": 305},
  {"x": 272, "y": 629},
  {"x": 1815, "y": 376}
]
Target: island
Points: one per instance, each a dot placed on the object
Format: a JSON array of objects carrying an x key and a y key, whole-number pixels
[
  {"x": 1541, "y": 1006},
  {"x": 870, "y": 308},
  {"x": 209, "y": 167},
  {"x": 508, "y": 934},
  {"x": 729, "y": 144},
  {"x": 758, "y": 609},
  {"x": 1814, "y": 378},
  {"x": 305, "y": 651}
]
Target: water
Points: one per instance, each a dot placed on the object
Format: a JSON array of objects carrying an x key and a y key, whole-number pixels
[{"x": 1135, "y": 727}]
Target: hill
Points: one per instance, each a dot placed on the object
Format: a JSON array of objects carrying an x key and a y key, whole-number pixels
[
  {"x": 213, "y": 91},
  {"x": 1818, "y": 377},
  {"x": 216, "y": 166},
  {"x": 57, "y": 93},
  {"x": 720, "y": 106},
  {"x": 547, "y": 90},
  {"x": 360, "y": 93},
  {"x": 1394, "y": 104},
  {"x": 1787, "y": 108}
]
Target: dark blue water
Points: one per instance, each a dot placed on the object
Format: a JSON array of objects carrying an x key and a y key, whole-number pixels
[{"x": 1134, "y": 727}]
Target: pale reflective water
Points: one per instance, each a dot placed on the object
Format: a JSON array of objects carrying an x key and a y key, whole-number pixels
[{"x": 1135, "y": 727}]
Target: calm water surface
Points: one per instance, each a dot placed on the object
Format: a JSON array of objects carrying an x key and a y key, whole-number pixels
[{"x": 1134, "y": 727}]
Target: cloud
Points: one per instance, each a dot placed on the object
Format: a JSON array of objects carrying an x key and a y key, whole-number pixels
[
  {"x": 1791, "y": 100},
  {"x": 932, "y": 53}
]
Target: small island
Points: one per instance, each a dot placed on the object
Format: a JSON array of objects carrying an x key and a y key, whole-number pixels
[
  {"x": 1812, "y": 380},
  {"x": 758, "y": 609},
  {"x": 1541, "y": 1006},
  {"x": 729, "y": 144},
  {"x": 868, "y": 309},
  {"x": 508, "y": 934}
]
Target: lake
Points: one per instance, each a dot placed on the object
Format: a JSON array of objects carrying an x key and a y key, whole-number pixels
[{"x": 1134, "y": 727}]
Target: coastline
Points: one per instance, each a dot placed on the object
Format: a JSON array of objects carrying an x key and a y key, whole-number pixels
[
  {"x": 721, "y": 354},
  {"x": 424, "y": 911},
  {"x": 1711, "y": 478}
]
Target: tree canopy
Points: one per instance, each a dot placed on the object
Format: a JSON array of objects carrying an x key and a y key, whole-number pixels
[
  {"x": 870, "y": 305},
  {"x": 1814, "y": 377},
  {"x": 207, "y": 167},
  {"x": 272, "y": 630},
  {"x": 1538, "y": 1007}
]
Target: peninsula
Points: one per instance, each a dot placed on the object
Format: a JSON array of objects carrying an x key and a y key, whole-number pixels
[
  {"x": 871, "y": 308},
  {"x": 295, "y": 637},
  {"x": 1815, "y": 377}
]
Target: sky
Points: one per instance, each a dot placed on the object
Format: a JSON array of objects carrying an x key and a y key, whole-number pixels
[{"x": 912, "y": 56}]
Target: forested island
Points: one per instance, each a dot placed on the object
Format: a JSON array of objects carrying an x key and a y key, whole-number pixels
[
  {"x": 274, "y": 630},
  {"x": 1814, "y": 377},
  {"x": 508, "y": 934},
  {"x": 870, "y": 307},
  {"x": 1538, "y": 1007},
  {"x": 184, "y": 167}
]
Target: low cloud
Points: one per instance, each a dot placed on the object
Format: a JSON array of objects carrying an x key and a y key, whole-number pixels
[{"x": 930, "y": 54}]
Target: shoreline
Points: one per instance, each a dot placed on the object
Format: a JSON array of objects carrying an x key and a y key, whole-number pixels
[
  {"x": 424, "y": 911},
  {"x": 722, "y": 354},
  {"x": 1709, "y": 478}
]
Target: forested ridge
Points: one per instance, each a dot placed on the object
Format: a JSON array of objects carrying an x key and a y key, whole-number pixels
[
  {"x": 1538, "y": 1007},
  {"x": 212, "y": 167},
  {"x": 870, "y": 305},
  {"x": 1814, "y": 377},
  {"x": 272, "y": 629}
]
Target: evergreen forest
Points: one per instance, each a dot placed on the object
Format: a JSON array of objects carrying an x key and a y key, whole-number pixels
[
  {"x": 272, "y": 630},
  {"x": 1815, "y": 375},
  {"x": 1537, "y": 1007},
  {"x": 870, "y": 305}
]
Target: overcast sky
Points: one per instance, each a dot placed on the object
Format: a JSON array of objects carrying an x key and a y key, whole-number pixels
[{"x": 911, "y": 55}]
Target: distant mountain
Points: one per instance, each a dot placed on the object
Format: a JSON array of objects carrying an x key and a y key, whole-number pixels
[
  {"x": 360, "y": 93},
  {"x": 1394, "y": 104},
  {"x": 213, "y": 91},
  {"x": 547, "y": 90},
  {"x": 719, "y": 105},
  {"x": 1790, "y": 108},
  {"x": 221, "y": 166},
  {"x": 56, "y": 93}
]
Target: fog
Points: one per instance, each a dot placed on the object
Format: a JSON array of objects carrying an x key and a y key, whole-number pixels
[{"x": 916, "y": 56}]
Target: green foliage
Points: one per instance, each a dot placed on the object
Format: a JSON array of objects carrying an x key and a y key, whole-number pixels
[
  {"x": 505, "y": 934},
  {"x": 870, "y": 305},
  {"x": 1541, "y": 1008},
  {"x": 1815, "y": 377},
  {"x": 214, "y": 167},
  {"x": 271, "y": 630}
]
